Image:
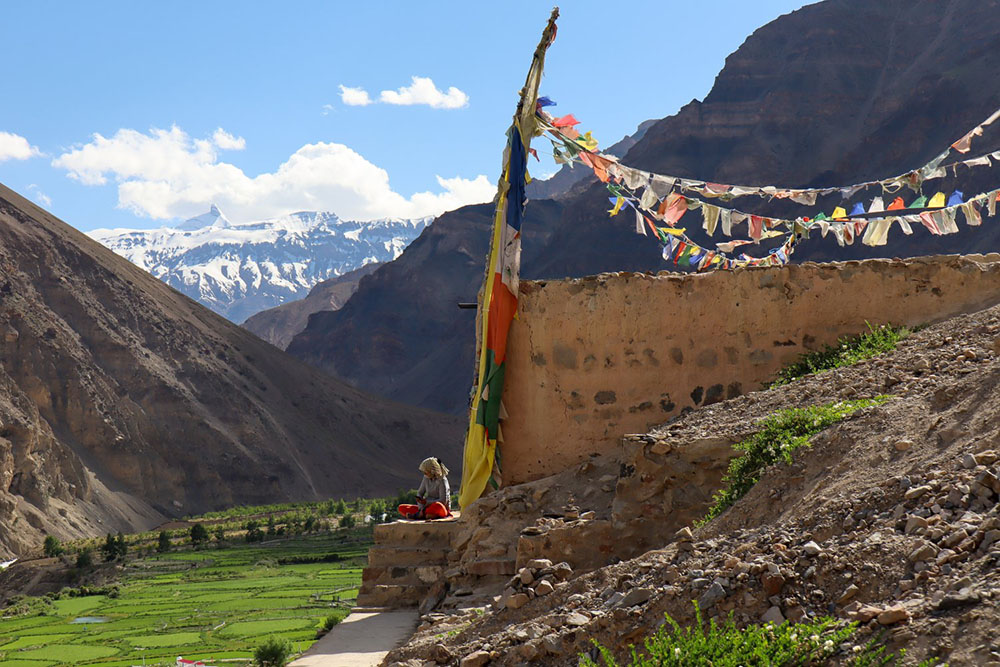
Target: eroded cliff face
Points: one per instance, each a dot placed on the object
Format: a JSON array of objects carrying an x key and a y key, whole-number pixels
[{"x": 121, "y": 400}]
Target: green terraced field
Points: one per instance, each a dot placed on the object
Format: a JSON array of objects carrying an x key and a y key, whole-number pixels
[{"x": 212, "y": 604}]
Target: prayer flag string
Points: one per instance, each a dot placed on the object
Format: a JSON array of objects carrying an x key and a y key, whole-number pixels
[{"x": 660, "y": 201}]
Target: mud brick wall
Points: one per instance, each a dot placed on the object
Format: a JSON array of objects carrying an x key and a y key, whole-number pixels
[{"x": 592, "y": 359}]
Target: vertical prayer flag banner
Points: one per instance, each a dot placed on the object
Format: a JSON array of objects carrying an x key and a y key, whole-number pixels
[{"x": 498, "y": 304}]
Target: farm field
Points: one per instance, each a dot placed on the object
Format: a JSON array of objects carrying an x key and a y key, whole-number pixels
[{"x": 212, "y": 604}]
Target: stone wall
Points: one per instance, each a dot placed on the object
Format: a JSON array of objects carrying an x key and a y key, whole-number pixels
[{"x": 592, "y": 359}]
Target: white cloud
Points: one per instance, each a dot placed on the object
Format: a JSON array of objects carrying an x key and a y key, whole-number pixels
[
  {"x": 16, "y": 147},
  {"x": 354, "y": 97},
  {"x": 423, "y": 91},
  {"x": 168, "y": 174},
  {"x": 228, "y": 142},
  {"x": 328, "y": 109},
  {"x": 40, "y": 197}
]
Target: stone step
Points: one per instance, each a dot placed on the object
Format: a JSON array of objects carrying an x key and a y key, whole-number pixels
[
  {"x": 424, "y": 575},
  {"x": 391, "y": 555},
  {"x": 390, "y": 596},
  {"x": 495, "y": 582},
  {"x": 465, "y": 601},
  {"x": 421, "y": 534},
  {"x": 498, "y": 567}
]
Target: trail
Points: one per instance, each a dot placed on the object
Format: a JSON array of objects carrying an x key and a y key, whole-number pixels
[{"x": 362, "y": 640}]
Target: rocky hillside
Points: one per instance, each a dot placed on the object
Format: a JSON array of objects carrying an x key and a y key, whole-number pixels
[
  {"x": 831, "y": 94},
  {"x": 240, "y": 269},
  {"x": 280, "y": 324},
  {"x": 891, "y": 518},
  {"x": 121, "y": 400}
]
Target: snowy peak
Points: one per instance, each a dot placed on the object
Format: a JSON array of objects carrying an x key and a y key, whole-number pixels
[
  {"x": 214, "y": 218},
  {"x": 239, "y": 269}
]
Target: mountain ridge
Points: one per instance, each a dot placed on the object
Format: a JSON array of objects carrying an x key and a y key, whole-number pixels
[{"x": 239, "y": 269}]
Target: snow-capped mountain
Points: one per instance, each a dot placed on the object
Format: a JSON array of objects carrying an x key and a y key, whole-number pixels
[{"x": 238, "y": 269}]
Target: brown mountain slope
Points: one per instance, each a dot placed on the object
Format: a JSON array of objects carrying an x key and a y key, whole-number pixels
[
  {"x": 834, "y": 93},
  {"x": 279, "y": 325},
  {"x": 405, "y": 336},
  {"x": 122, "y": 398}
]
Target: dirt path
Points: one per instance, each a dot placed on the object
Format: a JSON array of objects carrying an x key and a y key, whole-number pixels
[{"x": 361, "y": 640}]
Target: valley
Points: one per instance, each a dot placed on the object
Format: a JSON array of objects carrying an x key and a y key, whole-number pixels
[{"x": 215, "y": 600}]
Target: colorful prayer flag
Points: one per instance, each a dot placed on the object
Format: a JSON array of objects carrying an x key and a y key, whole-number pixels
[{"x": 499, "y": 297}]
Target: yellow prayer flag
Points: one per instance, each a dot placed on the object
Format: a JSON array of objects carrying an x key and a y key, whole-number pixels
[
  {"x": 588, "y": 142},
  {"x": 618, "y": 206},
  {"x": 937, "y": 201},
  {"x": 839, "y": 212},
  {"x": 675, "y": 231}
]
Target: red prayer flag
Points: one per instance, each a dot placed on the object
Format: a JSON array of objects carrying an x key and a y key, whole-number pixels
[{"x": 566, "y": 121}]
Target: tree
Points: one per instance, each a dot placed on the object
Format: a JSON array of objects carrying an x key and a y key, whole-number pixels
[
  {"x": 272, "y": 653},
  {"x": 271, "y": 530},
  {"x": 52, "y": 547},
  {"x": 163, "y": 543},
  {"x": 254, "y": 533},
  {"x": 109, "y": 549},
  {"x": 347, "y": 521},
  {"x": 199, "y": 534},
  {"x": 341, "y": 508},
  {"x": 220, "y": 534},
  {"x": 377, "y": 510},
  {"x": 121, "y": 548},
  {"x": 84, "y": 560}
]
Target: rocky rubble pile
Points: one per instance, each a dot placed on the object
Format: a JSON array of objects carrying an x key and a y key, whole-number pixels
[
  {"x": 890, "y": 520},
  {"x": 536, "y": 579}
]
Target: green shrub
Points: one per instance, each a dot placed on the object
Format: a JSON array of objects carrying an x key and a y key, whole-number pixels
[
  {"x": 405, "y": 497},
  {"x": 52, "y": 546},
  {"x": 331, "y": 620},
  {"x": 114, "y": 548},
  {"x": 163, "y": 542},
  {"x": 809, "y": 643},
  {"x": 199, "y": 534},
  {"x": 84, "y": 560},
  {"x": 378, "y": 510},
  {"x": 347, "y": 521},
  {"x": 254, "y": 533},
  {"x": 847, "y": 351},
  {"x": 272, "y": 653},
  {"x": 780, "y": 434}
]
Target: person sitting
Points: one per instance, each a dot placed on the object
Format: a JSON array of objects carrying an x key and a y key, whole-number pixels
[{"x": 434, "y": 494}]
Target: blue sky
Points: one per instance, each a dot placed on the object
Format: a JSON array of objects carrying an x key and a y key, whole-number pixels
[{"x": 126, "y": 114}]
